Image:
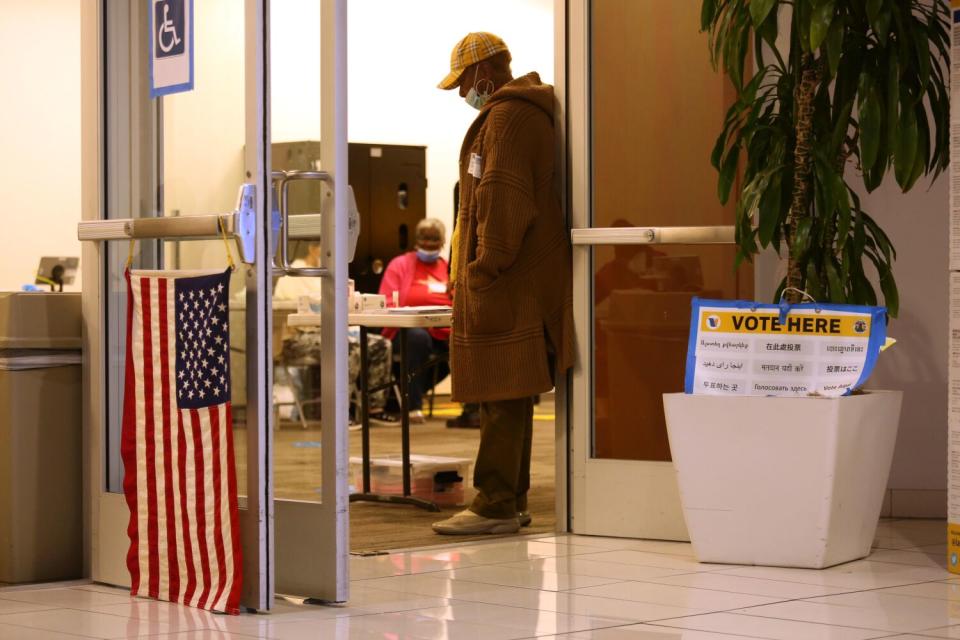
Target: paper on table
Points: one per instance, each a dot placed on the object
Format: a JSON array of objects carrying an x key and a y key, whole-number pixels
[{"x": 426, "y": 309}]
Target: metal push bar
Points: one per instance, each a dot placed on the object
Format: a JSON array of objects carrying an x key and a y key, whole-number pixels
[{"x": 653, "y": 235}]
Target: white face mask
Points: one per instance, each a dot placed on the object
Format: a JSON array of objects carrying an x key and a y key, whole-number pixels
[{"x": 475, "y": 98}]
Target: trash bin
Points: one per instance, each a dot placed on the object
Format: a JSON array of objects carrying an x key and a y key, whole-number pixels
[{"x": 41, "y": 484}]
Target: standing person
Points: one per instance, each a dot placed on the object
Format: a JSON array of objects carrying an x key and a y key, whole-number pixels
[
  {"x": 419, "y": 278},
  {"x": 511, "y": 276}
]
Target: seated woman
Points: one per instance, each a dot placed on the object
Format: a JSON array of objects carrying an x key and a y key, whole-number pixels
[
  {"x": 420, "y": 278},
  {"x": 303, "y": 343}
]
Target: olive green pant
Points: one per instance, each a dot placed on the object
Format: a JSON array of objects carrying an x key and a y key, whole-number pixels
[{"x": 502, "y": 472}]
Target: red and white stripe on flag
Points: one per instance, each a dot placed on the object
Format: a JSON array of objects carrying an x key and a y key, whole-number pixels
[{"x": 177, "y": 441}]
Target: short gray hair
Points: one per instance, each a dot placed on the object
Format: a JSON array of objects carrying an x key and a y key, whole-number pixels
[{"x": 431, "y": 223}]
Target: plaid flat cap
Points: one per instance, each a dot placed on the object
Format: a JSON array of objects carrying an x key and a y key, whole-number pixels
[{"x": 472, "y": 49}]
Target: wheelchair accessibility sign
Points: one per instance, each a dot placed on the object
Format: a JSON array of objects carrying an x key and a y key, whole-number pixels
[{"x": 171, "y": 46}]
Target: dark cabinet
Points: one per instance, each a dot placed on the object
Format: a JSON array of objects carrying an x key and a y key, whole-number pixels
[{"x": 390, "y": 184}]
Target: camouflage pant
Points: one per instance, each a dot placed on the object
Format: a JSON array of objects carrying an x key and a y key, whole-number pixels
[{"x": 303, "y": 349}]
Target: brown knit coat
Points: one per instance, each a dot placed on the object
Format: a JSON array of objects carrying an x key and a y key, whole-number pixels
[{"x": 512, "y": 309}]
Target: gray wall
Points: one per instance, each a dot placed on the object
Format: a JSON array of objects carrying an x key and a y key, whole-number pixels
[{"x": 918, "y": 226}]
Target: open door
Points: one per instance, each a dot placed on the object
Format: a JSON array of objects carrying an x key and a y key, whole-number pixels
[{"x": 163, "y": 170}]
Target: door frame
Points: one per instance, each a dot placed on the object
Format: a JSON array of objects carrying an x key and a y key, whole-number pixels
[{"x": 564, "y": 400}]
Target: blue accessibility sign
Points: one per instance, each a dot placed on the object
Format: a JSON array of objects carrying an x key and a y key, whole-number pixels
[
  {"x": 171, "y": 46},
  {"x": 170, "y": 22}
]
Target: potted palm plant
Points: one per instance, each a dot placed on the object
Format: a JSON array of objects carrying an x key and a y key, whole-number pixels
[{"x": 829, "y": 93}]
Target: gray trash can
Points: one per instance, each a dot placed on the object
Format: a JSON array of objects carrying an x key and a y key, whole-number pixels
[{"x": 41, "y": 483}]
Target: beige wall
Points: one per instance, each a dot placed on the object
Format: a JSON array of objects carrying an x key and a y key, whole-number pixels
[{"x": 40, "y": 149}]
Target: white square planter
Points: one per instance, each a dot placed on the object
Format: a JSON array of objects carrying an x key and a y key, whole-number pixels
[{"x": 791, "y": 482}]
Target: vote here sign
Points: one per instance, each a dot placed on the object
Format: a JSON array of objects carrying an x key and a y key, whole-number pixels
[{"x": 743, "y": 348}]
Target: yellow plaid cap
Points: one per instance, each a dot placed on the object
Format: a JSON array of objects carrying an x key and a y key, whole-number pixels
[{"x": 472, "y": 49}]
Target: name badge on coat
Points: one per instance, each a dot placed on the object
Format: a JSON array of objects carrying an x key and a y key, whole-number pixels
[{"x": 475, "y": 168}]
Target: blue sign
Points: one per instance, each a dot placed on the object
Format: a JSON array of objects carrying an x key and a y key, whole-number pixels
[
  {"x": 171, "y": 46},
  {"x": 739, "y": 347},
  {"x": 170, "y": 21}
]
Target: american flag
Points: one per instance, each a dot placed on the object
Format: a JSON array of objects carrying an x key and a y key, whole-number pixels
[{"x": 177, "y": 443}]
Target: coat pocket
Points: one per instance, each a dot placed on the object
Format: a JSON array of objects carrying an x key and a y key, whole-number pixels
[{"x": 490, "y": 311}]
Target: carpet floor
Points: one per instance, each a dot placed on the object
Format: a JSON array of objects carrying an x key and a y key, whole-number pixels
[{"x": 378, "y": 527}]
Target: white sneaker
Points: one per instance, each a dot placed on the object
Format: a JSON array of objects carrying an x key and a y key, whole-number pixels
[{"x": 469, "y": 523}]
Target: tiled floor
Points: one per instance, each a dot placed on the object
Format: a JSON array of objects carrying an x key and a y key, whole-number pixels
[{"x": 572, "y": 587}]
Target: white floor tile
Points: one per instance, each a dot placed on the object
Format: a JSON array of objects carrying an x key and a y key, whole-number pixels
[
  {"x": 66, "y": 598},
  {"x": 104, "y": 588},
  {"x": 526, "y": 578},
  {"x": 912, "y": 636},
  {"x": 176, "y": 617},
  {"x": 9, "y": 632},
  {"x": 674, "y": 596},
  {"x": 12, "y": 606},
  {"x": 391, "y": 625},
  {"x": 770, "y": 628},
  {"x": 86, "y": 623},
  {"x": 617, "y": 544},
  {"x": 583, "y": 566},
  {"x": 562, "y": 602},
  {"x": 866, "y": 610},
  {"x": 531, "y": 622},
  {"x": 937, "y": 590},
  {"x": 648, "y": 632},
  {"x": 647, "y": 559},
  {"x": 862, "y": 574},
  {"x": 365, "y": 599},
  {"x": 432, "y": 585},
  {"x": 563, "y": 587},
  {"x": 492, "y": 552},
  {"x": 900, "y": 534},
  {"x": 479, "y": 554},
  {"x": 941, "y": 632},
  {"x": 400, "y": 564},
  {"x": 203, "y": 634},
  {"x": 754, "y": 586},
  {"x": 911, "y": 557}
]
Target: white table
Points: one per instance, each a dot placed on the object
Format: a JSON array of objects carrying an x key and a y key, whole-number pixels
[
  {"x": 396, "y": 320},
  {"x": 379, "y": 319}
]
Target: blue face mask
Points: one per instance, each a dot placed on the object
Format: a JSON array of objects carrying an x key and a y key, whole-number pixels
[{"x": 428, "y": 256}]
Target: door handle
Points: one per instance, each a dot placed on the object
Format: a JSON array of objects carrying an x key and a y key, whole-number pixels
[
  {"x": 653, "y": 235},
  {"x": 282, "y": 188},
  {"x": 307, "y": 225},
  {"x": 241, "y": 225}
]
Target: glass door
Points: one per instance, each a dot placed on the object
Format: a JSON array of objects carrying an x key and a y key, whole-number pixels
[
  {"x": 311, "y": 450},
  {"x": 183, "y": 157},
  {"x": 649, "y": 235}
]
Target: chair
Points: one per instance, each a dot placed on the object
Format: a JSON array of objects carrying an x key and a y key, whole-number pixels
[{"x": 299, "y": 403}]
